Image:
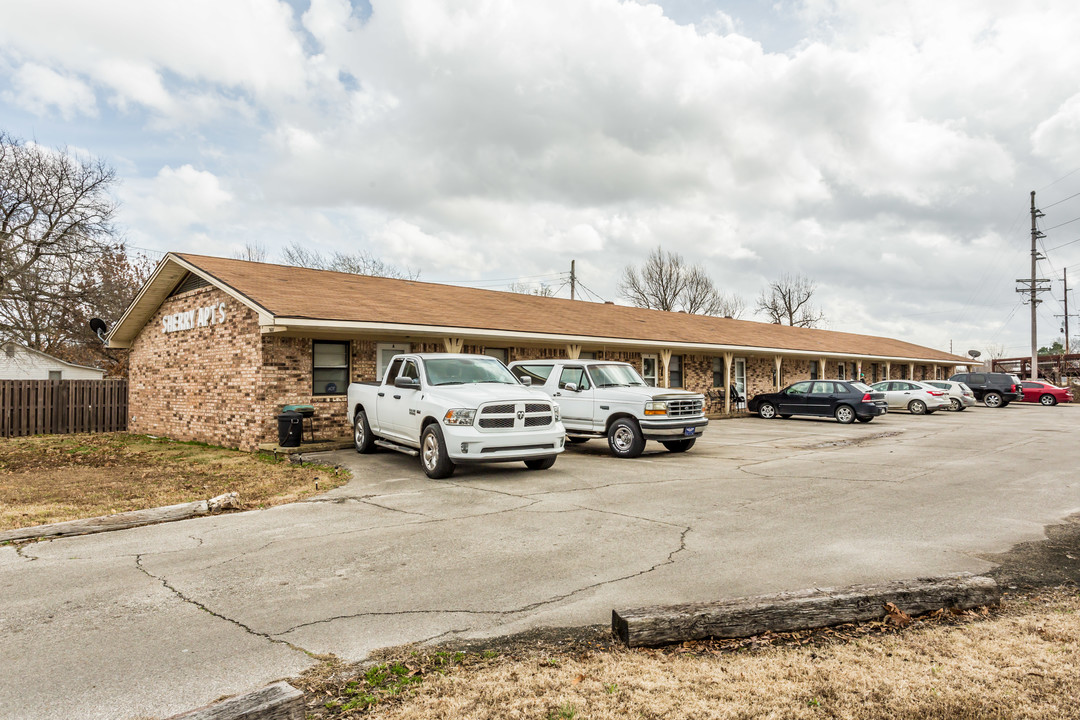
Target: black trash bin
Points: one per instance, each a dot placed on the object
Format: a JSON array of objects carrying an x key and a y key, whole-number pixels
[{"x": 290, "y": 425}]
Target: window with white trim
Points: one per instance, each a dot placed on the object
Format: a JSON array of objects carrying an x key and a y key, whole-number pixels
[{"x": 329, "y": 367}]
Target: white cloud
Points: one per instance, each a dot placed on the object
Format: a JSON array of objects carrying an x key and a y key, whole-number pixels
[
  {"x": 481, "y": 138},
  {"x": 42, "y": 90},
  {"x": 178, "y": 200}
]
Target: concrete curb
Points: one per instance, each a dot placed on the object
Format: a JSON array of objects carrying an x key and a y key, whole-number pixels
[
  {"x": 280, "y": 701},
  {"x": 122, "y": 521},
  {"x": 801, "y": 610}
]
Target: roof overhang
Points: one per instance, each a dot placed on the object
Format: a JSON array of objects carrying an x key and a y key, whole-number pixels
[
  {"x": 168, "y": 273},
  {"x": 297, "y": 326}
]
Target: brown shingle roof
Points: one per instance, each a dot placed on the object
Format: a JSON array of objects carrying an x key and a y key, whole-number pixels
[{"x": 292, "y": 292}]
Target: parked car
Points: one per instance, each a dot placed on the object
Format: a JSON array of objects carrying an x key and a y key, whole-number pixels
[
  {"x": 960, "y": 395},
  {"x": 607, "y": 399},
  {"x": 451, "y": 409},
  {"x": 845, "y": 401},
  {"x": 991, "y": 389},
  {"x": 915, "y": 397},
  {"x": 1044, "y": 393}
]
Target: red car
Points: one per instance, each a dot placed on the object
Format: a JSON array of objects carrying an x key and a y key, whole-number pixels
[{"x": 1045, "y": 393}]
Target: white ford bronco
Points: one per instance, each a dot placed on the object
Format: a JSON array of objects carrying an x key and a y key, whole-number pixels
[
  {"x": 451, "y": 409},
  {"x": 609, "y": 399}
]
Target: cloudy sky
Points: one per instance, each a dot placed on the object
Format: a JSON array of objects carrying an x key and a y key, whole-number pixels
[{"x": 885, "y": 150}]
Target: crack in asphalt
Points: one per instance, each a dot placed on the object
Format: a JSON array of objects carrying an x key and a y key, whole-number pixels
[
  {"x": 21, "y": 552},
  {"x": 504, "y": 613},
  {"x": 295, "y": 538},
  {"x": 191, "y": 601}
]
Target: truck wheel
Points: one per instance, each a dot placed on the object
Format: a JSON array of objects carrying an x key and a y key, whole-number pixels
[
  {"x": 678, "y": 446},
  {"x": 363, "y": 440},
  {"x": 992, "y": 400},
  {"x": 624, "y": 439},
  {"x": 437, "y": 464},
  {"x": 540, "y": 463}
]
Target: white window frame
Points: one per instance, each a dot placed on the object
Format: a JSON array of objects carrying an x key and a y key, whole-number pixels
[
  {"x": 738, "y": 375},
  {"x": 380, "y": 364},
  {"x": 656, "y": 365}
]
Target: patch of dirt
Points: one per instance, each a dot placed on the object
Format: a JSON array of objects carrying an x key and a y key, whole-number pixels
[
  {"x": 56, "y": 478},
  {"x": 1045, "y": 563}
]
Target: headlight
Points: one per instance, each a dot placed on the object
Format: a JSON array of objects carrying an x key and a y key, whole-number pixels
[
  {"x": 555, "y": 410},
  {"x": 459, "y": 416},
  {"x": 656, "y": 408}
]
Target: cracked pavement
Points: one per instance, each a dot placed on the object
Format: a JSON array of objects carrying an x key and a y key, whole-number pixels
[{"x": 157, "y": 620}]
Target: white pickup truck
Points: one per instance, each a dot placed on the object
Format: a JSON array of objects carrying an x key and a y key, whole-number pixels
[
  {"x": 451, "y": 409},
  {"x": 609, "y": 399}
]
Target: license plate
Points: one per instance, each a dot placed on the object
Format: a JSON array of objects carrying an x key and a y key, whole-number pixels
[{"x": 689, "y": 431}]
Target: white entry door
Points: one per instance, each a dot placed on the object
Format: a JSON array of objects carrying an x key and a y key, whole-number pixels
[
  {"x": 384, "y": 353},
  {"x": 649, "y": 365}
]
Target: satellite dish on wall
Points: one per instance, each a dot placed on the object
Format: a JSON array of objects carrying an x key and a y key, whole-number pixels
[
  {"x": 974, "y": 354},
  {"x": 99, "y": 328}
]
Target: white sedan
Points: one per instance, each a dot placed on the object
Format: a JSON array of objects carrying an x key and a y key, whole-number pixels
[{"x": 915, "y": 397}]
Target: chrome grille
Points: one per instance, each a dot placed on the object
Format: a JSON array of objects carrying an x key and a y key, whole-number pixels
[
  {"x": 515, "y": 416},
  {"x": 684, "y": 408}
]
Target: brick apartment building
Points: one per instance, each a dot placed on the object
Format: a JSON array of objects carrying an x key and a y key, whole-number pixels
[{"x": 218, "y": 346}]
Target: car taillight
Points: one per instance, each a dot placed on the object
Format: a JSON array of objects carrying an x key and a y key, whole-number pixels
[
  {"x": 867, "y": 398},
  {"x": 935, "y": 393}
]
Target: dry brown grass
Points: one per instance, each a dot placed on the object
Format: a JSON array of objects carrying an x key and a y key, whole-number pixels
[
  {"x": 1020, "y": 661},
  {"x": 66, "y": 477}
]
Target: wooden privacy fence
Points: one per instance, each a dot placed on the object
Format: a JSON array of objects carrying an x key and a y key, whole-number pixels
[{"x": 47, "y": 407}]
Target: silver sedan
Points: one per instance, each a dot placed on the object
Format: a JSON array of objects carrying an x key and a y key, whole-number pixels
[
  {"x": 915, "y": 397},
  {"x": 960, "y": 395}
]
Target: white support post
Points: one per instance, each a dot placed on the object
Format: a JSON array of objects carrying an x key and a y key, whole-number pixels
[{"x": 729, "y": 359}]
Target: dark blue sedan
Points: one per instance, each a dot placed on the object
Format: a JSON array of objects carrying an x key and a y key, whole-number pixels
[{"x": 845, "y": 401}]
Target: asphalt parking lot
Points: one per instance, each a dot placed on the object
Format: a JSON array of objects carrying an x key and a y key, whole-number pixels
[{"x": 157, "y": 620}]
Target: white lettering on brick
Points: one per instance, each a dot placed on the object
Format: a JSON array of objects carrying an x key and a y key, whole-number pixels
[{"x": 190, "y": 319}]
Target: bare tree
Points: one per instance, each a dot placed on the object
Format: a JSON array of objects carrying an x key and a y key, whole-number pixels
[
  {"x": 361, "y": 262},
  {"x": 542, "y": 290},
  {"x": 56, "y": 227},
  {"x": 787, "y": 300},
  {"x": 253, "y": 252},
  {"x": 666, "y": 282}
]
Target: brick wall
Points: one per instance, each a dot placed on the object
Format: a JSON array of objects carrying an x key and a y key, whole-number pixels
[
  {"x": 198, "y": 383},
  {"x": 225, "y": 382}
]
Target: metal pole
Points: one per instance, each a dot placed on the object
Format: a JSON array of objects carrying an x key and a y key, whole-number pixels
[
  {"x": 1034, "y": 257},
  {"x": 1065, "y": 281},
  {"x": 573, "y": 278}
]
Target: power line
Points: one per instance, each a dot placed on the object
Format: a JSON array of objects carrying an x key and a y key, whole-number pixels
[
  {"x": 1061, "y": 224},
  {"x": 1071, "y": 172},
  {"x": 1044, "y": 207}
]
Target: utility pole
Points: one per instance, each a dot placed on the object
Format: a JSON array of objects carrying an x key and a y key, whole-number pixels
[
  {"x": 573, "y": 279},
  {"x": 1033, "y": 286},
  {"x": 1065, "y": 284}
]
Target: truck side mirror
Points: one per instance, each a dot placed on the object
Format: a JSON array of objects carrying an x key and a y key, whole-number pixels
[
  {"x": 407, "y": 383},
  {"x": 526, "y": 381},
  {"x": 570, "y": 387}
]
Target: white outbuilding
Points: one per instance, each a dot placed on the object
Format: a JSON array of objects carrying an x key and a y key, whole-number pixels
[{"x": 18, "y": 362}]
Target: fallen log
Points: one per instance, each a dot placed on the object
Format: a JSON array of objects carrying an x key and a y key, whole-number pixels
[
  {"x": 121, "y": 521},
  {"x": 799, "y": 610},
  {"x": 280, "y": 701}
]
